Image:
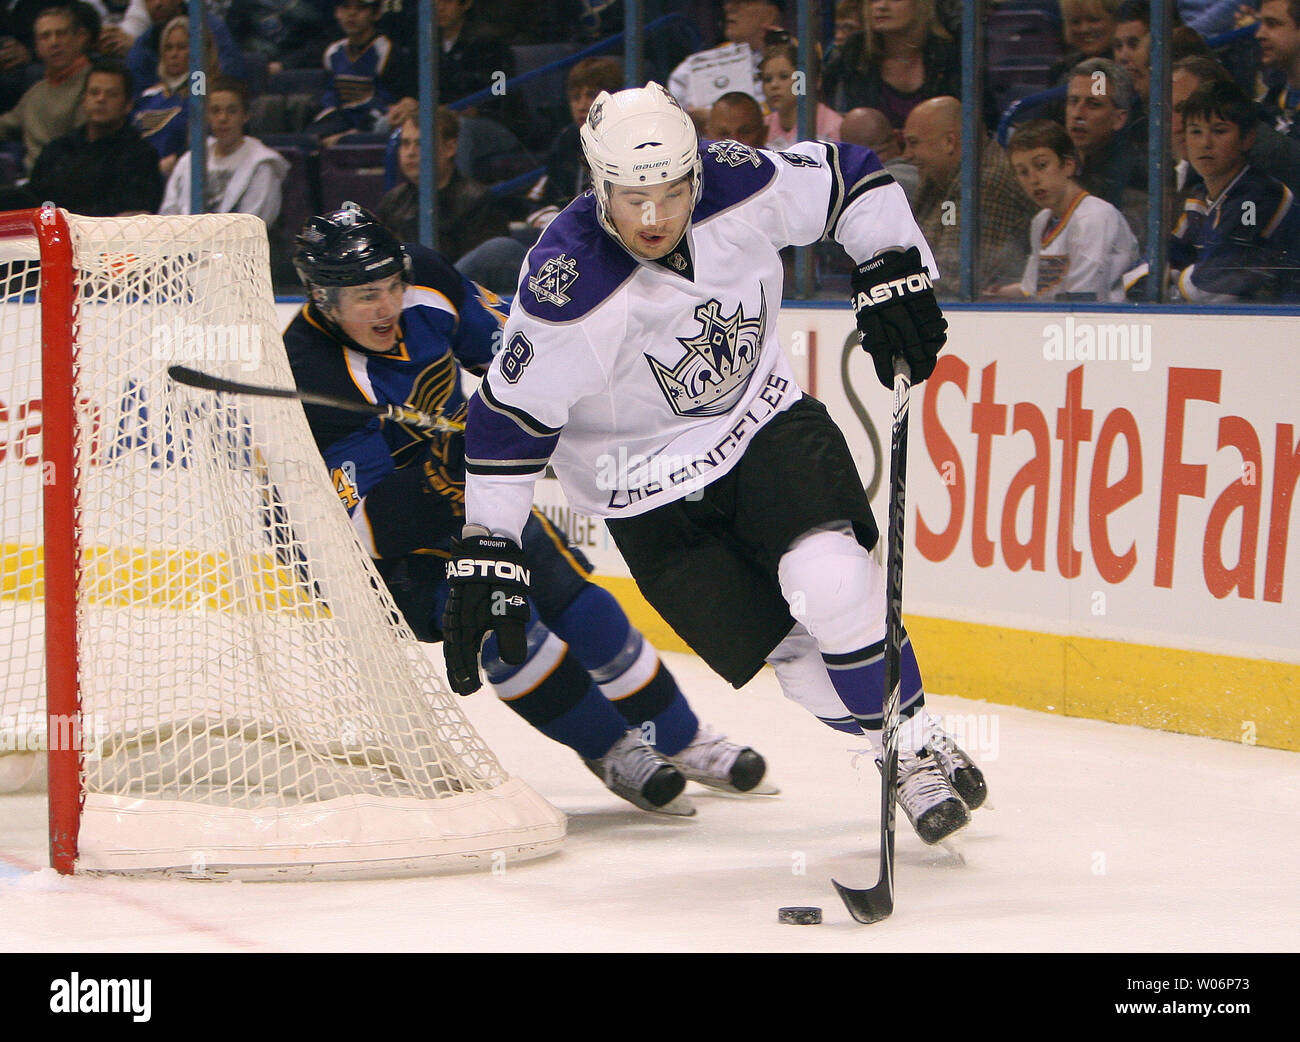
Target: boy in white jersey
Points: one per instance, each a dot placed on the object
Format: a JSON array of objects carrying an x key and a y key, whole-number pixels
[
  {"x": 1080, "y": 245},
  {"x": 641, "y": 362}
]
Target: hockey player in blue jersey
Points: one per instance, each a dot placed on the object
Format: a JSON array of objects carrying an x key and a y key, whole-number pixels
[
  {"x": 641, "y": 362},
  {"x": 394, "y": 324}
]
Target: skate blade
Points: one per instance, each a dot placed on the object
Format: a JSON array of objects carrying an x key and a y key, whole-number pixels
[
  {"x": 763, "y": 788},
  {"x": 954, "y": 846},
  {"x": 677, "y": 807}
]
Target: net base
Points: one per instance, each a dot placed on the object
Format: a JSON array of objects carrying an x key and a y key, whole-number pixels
[{"x": 351, "y": 837}]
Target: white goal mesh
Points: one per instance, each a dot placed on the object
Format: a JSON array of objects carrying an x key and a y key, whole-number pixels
[{"x": 250, "y": 701}]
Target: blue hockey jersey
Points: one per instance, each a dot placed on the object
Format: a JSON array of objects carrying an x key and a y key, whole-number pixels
[
  {"x": 1240, "y": 246},
  {"x": 403, "y": 487}
]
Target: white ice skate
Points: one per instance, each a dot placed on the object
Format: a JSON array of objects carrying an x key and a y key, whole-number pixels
[
  {"x": 712, "y": 760},
  {"x": 928, "y": 798},
  {"x": 958, "y": 768},
  {"x": 634, "y": 770}
]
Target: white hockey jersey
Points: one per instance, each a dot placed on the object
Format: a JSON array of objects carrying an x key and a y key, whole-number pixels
[
  {"x": 1086, "y": 253},
  {"x": 641, "y": 382}
]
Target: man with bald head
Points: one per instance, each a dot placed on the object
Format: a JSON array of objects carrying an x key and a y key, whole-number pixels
[
  {"x": 871, "y": 129},
  {"x": 738, "y": 116},
  {"x": 932, "y": 143}
]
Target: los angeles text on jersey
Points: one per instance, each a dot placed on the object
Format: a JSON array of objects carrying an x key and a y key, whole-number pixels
[{"x": 636, "y": 478}]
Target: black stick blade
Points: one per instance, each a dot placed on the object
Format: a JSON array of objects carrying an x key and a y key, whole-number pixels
[
  {"x": 206, "y": 382},
  {"x": 868, "y": 906}
]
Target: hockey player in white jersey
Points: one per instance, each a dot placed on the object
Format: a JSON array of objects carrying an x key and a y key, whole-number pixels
[
  {"x": 395, "y": 324},
  {"x": 641, "y": 361}
]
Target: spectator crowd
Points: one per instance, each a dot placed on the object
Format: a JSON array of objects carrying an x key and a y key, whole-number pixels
[{"x": 310, "y": 102}]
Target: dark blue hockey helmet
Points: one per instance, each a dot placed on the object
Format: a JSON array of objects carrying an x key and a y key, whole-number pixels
[{"x": 348, "y": 247}]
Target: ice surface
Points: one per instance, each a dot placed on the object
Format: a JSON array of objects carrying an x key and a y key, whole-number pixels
[{"x": 1101, "y": 838}]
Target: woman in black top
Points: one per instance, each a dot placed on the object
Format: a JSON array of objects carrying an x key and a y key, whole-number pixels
[{"x": 902, "y": 57}]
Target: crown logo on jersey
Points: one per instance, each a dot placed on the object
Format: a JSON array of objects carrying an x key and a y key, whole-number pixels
[
  {"x": 552, "y": 279},
  {"x": 718, "y": 363},
  {"x": 733, "y": 153}
]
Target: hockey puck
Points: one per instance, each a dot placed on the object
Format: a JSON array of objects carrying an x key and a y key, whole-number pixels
[{"x": 800, "y": 915}]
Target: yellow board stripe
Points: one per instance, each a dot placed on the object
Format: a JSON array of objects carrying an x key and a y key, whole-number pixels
[
  {"x": 178, "y": 580},
  {"x": 1167, "y": 689}
]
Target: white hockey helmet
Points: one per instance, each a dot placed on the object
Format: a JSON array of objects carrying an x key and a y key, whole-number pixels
[{"x": 638, "y": 137}]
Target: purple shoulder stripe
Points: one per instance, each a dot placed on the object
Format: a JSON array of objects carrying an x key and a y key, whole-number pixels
[
  {"x": 732, "y": 173},
  {"x": 855, "y": 170},
  {"x": 574, "y": 266},
  {"x": 502, "y": 441}
]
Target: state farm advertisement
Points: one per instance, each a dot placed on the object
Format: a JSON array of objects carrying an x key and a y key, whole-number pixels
[{"x": 1114, "y": 475}]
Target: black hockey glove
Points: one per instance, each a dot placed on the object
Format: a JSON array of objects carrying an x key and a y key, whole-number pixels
[
  {"x": 489, "y": 591},
  {"x": 898, "y": 314}
]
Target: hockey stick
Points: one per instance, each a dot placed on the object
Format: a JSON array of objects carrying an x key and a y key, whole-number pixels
[
  {"x": 397, "y": 413},
  {"x": 877, "y": 902}
]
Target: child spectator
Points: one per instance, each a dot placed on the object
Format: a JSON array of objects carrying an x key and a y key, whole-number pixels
[
  {"x": 1274, "y": 153},
  {"x": 566, "y": 175},
  {"x": 1237, "y": 237},
  {"x": 1080, "y": 246},
  {"x": 243, "y": 175},
  {"x": 368, "y": 74},
  {"x": 783, "y": 85},
  {"x": 473, "y": 228},
  {"x": 902, "y": 57},
  {"x": 848, "y": 20}
]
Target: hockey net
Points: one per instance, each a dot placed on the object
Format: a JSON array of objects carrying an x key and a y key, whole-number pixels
[{"x": 197, "y": 643}]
